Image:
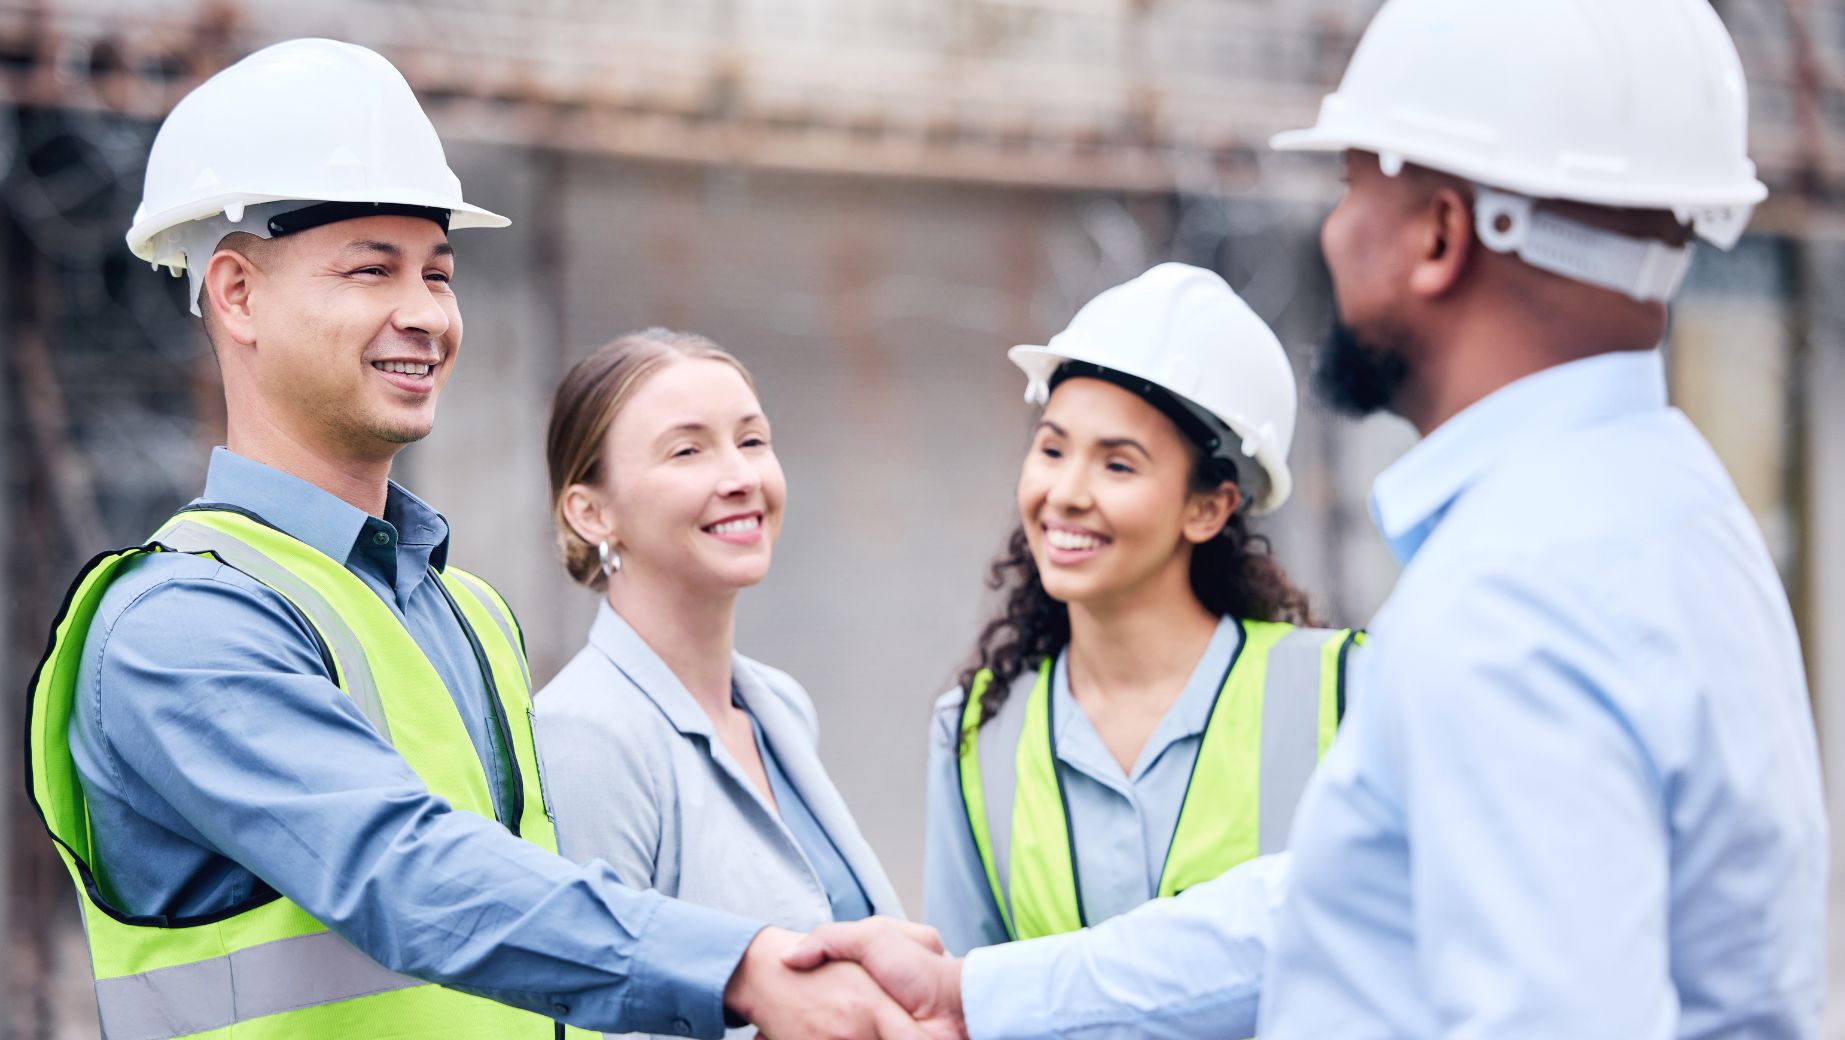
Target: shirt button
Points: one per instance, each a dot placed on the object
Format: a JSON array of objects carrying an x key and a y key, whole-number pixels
[
  {"x": 381, "y": 538},
  {"x": 561, "y": 1009},
  {"x": 682, "y": 1027}
]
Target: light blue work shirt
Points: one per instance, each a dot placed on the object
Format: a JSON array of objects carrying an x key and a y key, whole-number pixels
[
  {"x": 1577, "y": 793},
  {"x": 222, "y": 764},
  {"x": 844, "y": 893},
  {"x": 1122, "y": 822}
]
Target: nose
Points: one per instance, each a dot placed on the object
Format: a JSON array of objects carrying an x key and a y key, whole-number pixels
[
  {"x": 420, "y": 310},
  {"x": 739, "y": 479},
  {"x": 1069, "y": 490}
]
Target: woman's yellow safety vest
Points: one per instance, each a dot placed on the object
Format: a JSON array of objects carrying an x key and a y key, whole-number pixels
[
  {"x": 270, "y": 971},
  {"x": 1275, "y": 714}
]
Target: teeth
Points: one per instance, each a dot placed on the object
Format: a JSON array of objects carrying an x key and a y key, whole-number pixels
[
  {"x": 406, "y": 367},
  {"x": 736, "y": 526},
  {"x": 1062, "y": 539}
]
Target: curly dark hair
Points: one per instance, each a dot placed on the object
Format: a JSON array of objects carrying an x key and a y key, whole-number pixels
[{"x": 1234, "y": 574}]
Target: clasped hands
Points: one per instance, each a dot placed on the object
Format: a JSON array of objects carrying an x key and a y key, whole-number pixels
[{"x": 876, "y": 979}]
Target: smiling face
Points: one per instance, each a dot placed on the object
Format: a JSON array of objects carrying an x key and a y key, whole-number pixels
[
  {"x": 1106, "y": 496},
  {"x": 693, "y": 491},
  {"x": 351, "y": 331}
]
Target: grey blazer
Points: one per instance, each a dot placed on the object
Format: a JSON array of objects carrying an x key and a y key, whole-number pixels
[{"x": 634, "y": 775}]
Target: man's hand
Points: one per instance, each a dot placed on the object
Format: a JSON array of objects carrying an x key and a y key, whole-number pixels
[
  {"x": 835, "y": 1002},
  {"x": 906, "y": 959}
]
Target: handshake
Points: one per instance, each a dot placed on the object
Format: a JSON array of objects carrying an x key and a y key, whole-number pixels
[{"x": 876, "y": 979}]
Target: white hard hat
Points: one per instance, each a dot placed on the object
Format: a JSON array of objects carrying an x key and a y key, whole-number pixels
[
  {"x": 305, "y": 121},
  {"x": 1636, "y": 104},
  {"x": 1186, "y": 332}
]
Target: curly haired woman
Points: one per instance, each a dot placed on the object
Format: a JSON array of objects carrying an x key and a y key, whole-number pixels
[{"x": 1146, "y": 707}]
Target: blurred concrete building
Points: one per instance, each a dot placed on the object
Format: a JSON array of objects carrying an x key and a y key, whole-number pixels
[{"x": 868, "y": 200}]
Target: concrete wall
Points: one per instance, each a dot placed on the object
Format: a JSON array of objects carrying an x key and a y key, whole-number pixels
[{"x": 1823, "y": 478}]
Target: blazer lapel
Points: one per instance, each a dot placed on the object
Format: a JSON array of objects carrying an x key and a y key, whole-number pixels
[
  {"x": 638, "y": 663},
  {"x": 788, "y": 735}
]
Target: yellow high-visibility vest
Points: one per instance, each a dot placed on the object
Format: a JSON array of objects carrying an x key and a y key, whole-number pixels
[
  {"x": 1275, "y": 714},
  {"x": 271, "y": 971}
]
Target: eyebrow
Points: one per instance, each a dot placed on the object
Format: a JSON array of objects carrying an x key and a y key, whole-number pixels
[
  {"x": 699, "y": 427},
  {"x": 684, "y": 427},
  {"x": 392, "y": 249},
  {"x": 1109, "y": 443}
]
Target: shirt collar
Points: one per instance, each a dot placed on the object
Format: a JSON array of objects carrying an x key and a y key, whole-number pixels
[
  {"x": 316, "y": 516},
  {"x": 1080, "y": 745},
  {"x": 1410, "y": 498},
  {"x": 419, "y": 527}
]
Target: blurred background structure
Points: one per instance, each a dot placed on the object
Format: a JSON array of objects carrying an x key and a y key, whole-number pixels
[{"x": 868, "y": 200}]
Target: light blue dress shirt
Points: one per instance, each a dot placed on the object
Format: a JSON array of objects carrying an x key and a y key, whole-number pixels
[
  {"x": 1122, "y": 822},
  {"x": 1576, "y": 794},
  {"x": 222, "y": 765}
]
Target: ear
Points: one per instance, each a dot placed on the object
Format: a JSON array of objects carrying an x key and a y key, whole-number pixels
[
  {"x": 586, "y": 510},
  {"x": 1207, "y": 513},
  {"x": 1446, "y": 243},
  {"x": 230, "y": 283}
]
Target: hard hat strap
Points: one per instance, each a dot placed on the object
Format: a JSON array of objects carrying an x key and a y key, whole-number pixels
[{"x": 1645, "y": 269}]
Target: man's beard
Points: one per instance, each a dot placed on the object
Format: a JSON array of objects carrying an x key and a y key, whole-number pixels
[{"x": 1359, "y": 373}]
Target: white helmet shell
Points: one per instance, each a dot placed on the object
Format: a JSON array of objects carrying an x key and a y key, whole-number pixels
[
  {"x": 1183, "y": 329},
  {"x": 305, "y": 120},
  {"x": 1636, "y": 103}
]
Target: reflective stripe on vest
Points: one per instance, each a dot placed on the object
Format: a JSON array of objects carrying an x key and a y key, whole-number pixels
[
  {"x": 1275, "y": 715},
  {"x": 268, "y": 979},
  {"x": 270, "y": 970}
]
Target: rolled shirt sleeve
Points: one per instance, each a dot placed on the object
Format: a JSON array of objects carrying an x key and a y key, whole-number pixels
[{"x": 208, "y": 714}]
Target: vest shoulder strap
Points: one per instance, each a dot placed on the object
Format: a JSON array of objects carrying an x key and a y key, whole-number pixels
[
  {"x": 194, "y": 531},
  {"x": 1014, "y": 799},
  {"x": 1275, "y": 717},
  {"x": 462, "y": 582},
  {"x": 988, "y": 776}
]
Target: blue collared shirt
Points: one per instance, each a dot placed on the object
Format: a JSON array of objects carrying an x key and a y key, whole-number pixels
[
  {"x": 1577, "y": 790},
  {"x": 222, "y": 764}
]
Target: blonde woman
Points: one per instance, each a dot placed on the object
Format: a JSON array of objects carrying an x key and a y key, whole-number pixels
[{"x": 687, "y": 766}]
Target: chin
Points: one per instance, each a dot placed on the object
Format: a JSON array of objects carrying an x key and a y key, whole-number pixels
[
  {"x": 407, "y": 431},
  {"x": 735, "y": 577},
  {"x": 1065, "y": 588}
]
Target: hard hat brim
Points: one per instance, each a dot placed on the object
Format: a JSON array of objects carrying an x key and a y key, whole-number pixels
[
  {"x": 1039, "y": 363},
  {"x": 1305, "y": 140},
  {"x": 461, "y": 214},
  {"x": 1747, "y": 192}
]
